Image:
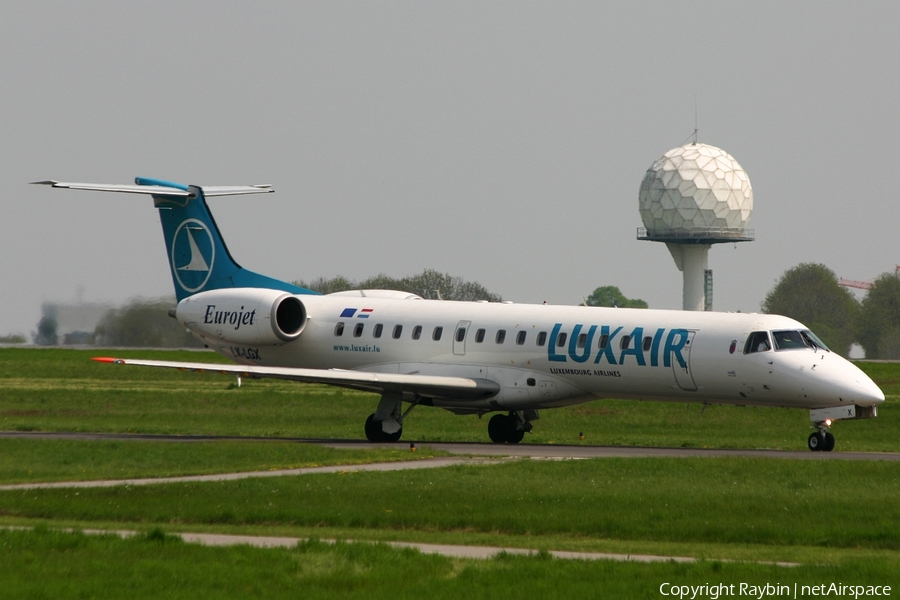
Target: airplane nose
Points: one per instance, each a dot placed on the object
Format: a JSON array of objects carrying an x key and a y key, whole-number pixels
[
  {"x": 870, "y": 392},
  {"x": 864, "y": 391},
  {"x": 842, "y": 382}
]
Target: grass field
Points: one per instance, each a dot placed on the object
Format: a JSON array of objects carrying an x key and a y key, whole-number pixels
[
  {"x": 92, "y": 568},
  {"x": 840, "y": 519},
  {"x": 26, "y": 460}
]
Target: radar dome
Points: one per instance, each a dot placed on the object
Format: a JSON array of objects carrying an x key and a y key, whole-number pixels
[{"x": 696, "y": 191}]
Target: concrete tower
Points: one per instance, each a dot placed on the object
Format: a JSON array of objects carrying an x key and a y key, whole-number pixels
[{"x": 693, "y": 197}]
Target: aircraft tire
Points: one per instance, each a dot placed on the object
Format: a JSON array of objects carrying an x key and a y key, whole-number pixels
[
  {"x": 501, "y": 429},
  {"x": 516, "y": 437},
  {"x": 376, "y": 435},
  {"x": 815, "y": 442},
  {"x": 373, "y": 429},
  {"x": 828, "y": 446}
]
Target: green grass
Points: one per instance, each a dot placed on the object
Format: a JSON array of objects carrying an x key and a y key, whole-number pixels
[
  {"x": 840, "y": 519},
  {"x": 724, "y": 501},
  {"x": 48, "y": 564},
  {"x": 62, "y": 390},
  {"x": 37, "y": 460}
]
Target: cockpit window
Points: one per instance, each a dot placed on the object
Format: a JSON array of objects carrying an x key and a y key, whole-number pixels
[
  {"x": 788, "y": 340},
  {"x": 758, "y": 341},
  {"x": 812, "y": 339},
  {"x": 797, "y": 340}
]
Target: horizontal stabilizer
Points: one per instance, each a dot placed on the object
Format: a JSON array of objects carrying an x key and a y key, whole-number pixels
[
  {"x": 198, "y": 258},
  {"x": 431, "y": 386},
  {"x": 159, "y": 188}
]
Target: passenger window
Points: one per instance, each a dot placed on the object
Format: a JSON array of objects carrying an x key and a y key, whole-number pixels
[
  {"x": 398, "y": 329},
  {"x": 376, "y": 333},
  {"x": 417, "y": 332},
  {"x": 648, "y": 341},
  {"x": 460, "y": 334},
  {"x": 561, "y": 340},
  {"x": 479, "y": 336},
  {"x": 501, "y": 336},
  {"x": 339, "y": 330},
  {"x": 582, "y": 340},
  {"x": 542, "y": 338},
  {"x": 358, "y": 329},
  {"x": 758, "y": 341},
  {"x": 520, "y": 338},
  {"x": 626, "y": 341},
  {"x": 438, "y": 332},
  {"x": 604, "y": 341}
]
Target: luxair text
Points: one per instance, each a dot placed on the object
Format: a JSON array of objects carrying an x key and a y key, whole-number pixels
[{"x": 664, "y": 344}]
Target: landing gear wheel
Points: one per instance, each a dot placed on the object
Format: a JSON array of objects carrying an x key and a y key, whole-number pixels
[
  {"x": 373, "y": 429},
  {"x": 375, "y": 434},
  {"x": 821, "y": 441},
  {"x": 501, "y": 429},
  {"x": 816, "y": 441}
]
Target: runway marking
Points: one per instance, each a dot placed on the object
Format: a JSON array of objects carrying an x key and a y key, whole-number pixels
[{"x": 448, "y": 550}]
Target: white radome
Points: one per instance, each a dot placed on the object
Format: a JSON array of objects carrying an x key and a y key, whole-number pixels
[{"x": 695, "y": 188}]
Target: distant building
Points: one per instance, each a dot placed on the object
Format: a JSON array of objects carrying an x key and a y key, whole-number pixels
[{"x": 75, "y": 323}]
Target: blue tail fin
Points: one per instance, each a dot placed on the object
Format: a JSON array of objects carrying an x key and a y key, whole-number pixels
[{"x": 198, "y": 257}]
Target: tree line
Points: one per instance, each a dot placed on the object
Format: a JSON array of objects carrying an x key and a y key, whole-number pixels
[
  {"x": 430, "y": 284},
  {"x": 811, "y": 294}
]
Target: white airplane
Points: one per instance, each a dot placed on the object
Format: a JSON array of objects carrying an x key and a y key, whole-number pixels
[{"x": 480, "y": 357}]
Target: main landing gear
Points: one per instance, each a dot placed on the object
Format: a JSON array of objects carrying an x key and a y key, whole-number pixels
[
  {"x": 376, "y": 433},
  {"x": 386, "y": 423},
  {"x": 821, "y": 440},
  {"x": 511, "y": 428}
]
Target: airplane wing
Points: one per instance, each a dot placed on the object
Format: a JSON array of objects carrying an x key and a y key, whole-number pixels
[{"x": 429, "y": 386}]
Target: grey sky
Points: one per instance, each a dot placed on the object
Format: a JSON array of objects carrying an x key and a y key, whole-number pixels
[{"x": 501, "y": 141}]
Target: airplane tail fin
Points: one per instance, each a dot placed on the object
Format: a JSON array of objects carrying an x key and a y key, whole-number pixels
[{"x": 198, "y": 258}]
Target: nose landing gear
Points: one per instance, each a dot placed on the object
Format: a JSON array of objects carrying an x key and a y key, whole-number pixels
[{"x": 821, "y": 440}]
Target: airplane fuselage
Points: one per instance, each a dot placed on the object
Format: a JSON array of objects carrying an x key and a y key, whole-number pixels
[{"x": 542, "y": 356}]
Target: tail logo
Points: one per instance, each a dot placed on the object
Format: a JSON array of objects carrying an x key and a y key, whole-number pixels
[{"x": 193, "y": 255}]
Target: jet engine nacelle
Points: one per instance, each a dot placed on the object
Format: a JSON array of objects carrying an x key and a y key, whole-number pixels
[{"x": 246, "y": 316}]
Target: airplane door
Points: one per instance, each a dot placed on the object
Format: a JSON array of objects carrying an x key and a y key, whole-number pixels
[
  {"x": 459, "y": 337},
  {"x": 683, "y": 375}
]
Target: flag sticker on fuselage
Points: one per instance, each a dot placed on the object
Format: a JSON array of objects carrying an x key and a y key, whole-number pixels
[{"x": 363, "y": 313}]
